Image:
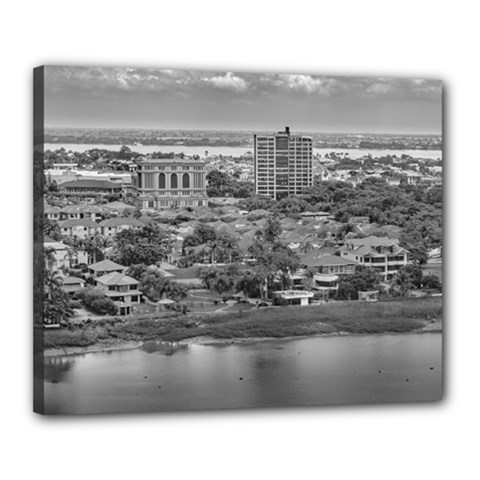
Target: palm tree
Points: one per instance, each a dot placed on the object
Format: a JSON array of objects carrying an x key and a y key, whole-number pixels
[
  {"x": 309, "y": 274},
  {"x": 72, "y": 252},
  {"x": 402, "y": 282},
  {"x": 263, "y": 276}
]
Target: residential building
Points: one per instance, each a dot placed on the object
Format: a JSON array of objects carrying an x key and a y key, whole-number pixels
[
  {"x": 380, "y": 253},
  {"x": 283, "y": 164},
  {"x": 65, "y": 256},
  {"x": 52, "y": 213},
  {"x": 164, "y": 183},
  {"x": 82, "y": 228},
  {"x": 71, "y": 285},
  {"x": 121, "y": 289},
  {"x": 293, "y": 297},
  {"x": 326, "y": 270},
  {"x": 93, "y": 212},
  {"x": 104, "y": 267},
  {"x": 328, "y": 264},
  {"x": 112, "y": 226}
]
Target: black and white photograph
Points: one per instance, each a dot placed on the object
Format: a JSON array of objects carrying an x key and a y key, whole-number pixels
[{"x": 212, "y": 240}]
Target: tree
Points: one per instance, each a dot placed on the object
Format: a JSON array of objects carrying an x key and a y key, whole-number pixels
[
  {"x": 154, "y": 285},
  {"x": 148, "y": 245},
  {"x": 96, "y": 246},
  {"x": 51, "y": 229},
  {"x": 432, "y": 281},
  {"x": 273, "y": 230},
  {"x": 96, "y": 301},
  {"x": 363, "y": 279},
  {"x": 57, "y": 306},
  {"x": 402, "y": 282},
  {"x": 247, "y": 284}
]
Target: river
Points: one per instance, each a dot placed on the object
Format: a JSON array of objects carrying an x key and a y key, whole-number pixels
[
  {"x": 277, "y": 373},
  {"x": 238, "y": 151}
]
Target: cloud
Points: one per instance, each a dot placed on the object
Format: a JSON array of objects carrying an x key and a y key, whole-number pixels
[
  {"x": 229, "y": 82},
  {"x": 379, "y": 88},
  {"x": 307, "y": 83}
]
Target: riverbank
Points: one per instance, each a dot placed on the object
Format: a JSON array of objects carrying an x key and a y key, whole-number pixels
[{"x": 348, "y": 318}]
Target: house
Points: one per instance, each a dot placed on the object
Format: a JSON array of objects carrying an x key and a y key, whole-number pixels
[
  {"x": 65, "y": 256},
  {"x": 121, "y": 289},
  {"x": 292, "y": 297},
  {"x": 93, "y": 212},
  {"x": 119, "y": 208},
  {"x": 414, "y": 178},
  {"x": 81, "y": 228},
  {"x": 380, "y": 253},
  {"x": 112, "y": 226},
  {"x": 52, "y": 213},
  {"x": 328, "y": 264},
  {"x": 104, "y": 267},
  {"x": 71, "y": 285},
  {"x": 326, "y": 268}
]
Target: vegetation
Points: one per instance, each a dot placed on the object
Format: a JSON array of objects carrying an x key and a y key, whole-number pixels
[
  {"x": 154, "y": 285},
  {"x": 397, "y": 316},
  {"x": 364, "y": 279},
  {"x": 147, "y": 245},
  {"x": 57, "y": 307},
  {"x": 96, "y": 301},
  {"x": 222, "y": 184}
]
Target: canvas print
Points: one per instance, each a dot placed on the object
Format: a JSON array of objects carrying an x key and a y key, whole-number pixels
[{"x": 211, "y": 240}]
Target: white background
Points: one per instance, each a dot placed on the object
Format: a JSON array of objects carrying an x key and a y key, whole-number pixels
[{"x": 433, "y": 39}]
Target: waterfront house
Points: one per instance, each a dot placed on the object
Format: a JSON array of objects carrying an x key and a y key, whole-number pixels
[
  {"x": 328, "y": 264},
  {"x": 292, "y": 297},
  {"x": 121, "y": 289},
  {"x": 380, "y": 253}
]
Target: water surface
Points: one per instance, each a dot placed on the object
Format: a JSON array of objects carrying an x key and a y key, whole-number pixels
[
  {"x": 281, "y": 373},
  {"x": 238, "y": 151}
]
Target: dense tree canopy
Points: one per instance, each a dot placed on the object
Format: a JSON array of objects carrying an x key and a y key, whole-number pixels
[{"x": 147, "y": 245}]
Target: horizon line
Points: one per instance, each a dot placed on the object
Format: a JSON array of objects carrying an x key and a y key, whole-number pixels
[{"x": 245, "y": 130}]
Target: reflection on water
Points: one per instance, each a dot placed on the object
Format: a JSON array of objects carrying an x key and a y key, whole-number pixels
[
  {"x": 55, "y": 369},
  {"x": 163, "y": 348},
  {"x": 162, "y": 376}
]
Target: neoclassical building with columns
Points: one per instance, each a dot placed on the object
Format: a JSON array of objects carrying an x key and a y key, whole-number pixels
[{"x": 170, "y": 182}]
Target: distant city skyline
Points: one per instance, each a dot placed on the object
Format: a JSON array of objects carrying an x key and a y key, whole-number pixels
[{"x": 150, "y": 98}]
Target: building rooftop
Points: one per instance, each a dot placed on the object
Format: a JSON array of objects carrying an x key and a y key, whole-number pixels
[
  {"x": 106, "y": 266},
  {"x": 118, "y": 221},
  {"x": 78, "y": 222},
  {"x": 91, "y": 184},
  {"x": 116, "y": 278},
  {"x": 170, "y": 161},
  {"x": 373, "y": 241},
  {"x": 314, "y": 260},
  {"x": 72, "y": 280}
]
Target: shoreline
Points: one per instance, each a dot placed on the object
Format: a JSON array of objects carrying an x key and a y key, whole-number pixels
[{"x": 120, "y": 345}]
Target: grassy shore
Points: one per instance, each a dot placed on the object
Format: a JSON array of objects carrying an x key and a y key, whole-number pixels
[{"x": 398, "y": 316}]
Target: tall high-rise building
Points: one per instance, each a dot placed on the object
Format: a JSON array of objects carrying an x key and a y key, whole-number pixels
[{"x": 283, "y": 164}]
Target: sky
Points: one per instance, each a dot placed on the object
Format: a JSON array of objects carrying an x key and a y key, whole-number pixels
[{"x": 207, "y": 100}]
